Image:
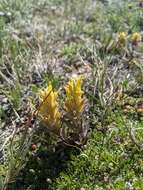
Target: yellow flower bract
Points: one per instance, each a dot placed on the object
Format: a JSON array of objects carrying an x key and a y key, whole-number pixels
[
  {"x": 49, "y": 109},
  {"x": 122, "y": 37},
  {"x": 74, "y": 103},
  {"x": 136, "y": 37}
]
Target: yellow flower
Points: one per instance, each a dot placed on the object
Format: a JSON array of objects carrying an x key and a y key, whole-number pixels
[
  {"x": 136, "y": 37},
  {"x": 122, "y": 38},
  {"x": 74, "y": 103},
  {"x": 49, "y": 110}
]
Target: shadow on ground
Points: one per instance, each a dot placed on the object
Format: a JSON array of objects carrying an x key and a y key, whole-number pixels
[{"x": 43, "y": 167}]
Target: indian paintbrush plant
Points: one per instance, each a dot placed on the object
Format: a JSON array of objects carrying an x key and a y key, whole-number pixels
[
  {"x": 49, "y": 108},
  {"x": 67, "y": 123},
  {"x": 122, "y": 38},
  {"x": 74, "y": 103},
  {"x": 136, "y": 38},
  {"x": 74, "y": 110}
]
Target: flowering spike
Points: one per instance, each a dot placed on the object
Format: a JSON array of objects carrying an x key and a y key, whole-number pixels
[
  {"x": 49, "y": 110},
  {"x": 136, "y": 37},
  {"x": 122, "y": 38},
  {"x": 74, "y": 103}
]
